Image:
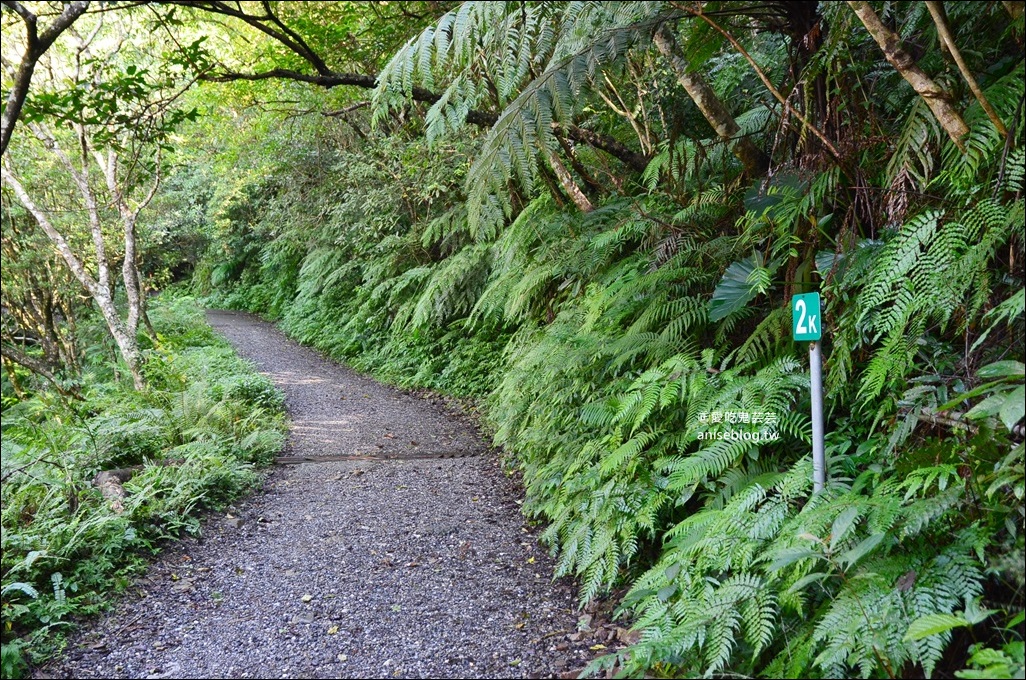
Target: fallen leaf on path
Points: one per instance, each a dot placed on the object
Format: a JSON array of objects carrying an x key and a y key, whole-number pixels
[
  {"x": 183, "y": 585},
  {"x": 332, "y": 630},
  {"x": 306, "y": 598},
  {"x": 627, "y": 637}
]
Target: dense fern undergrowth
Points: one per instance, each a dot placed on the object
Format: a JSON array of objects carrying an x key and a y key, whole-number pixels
[
  {"x": 591, "y": 342},
  {"x": 607, "y": 264},
  {"x": 199, "y": 433}
]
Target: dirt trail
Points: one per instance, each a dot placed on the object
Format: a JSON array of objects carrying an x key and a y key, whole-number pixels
[{"x": 368, "y": 568}]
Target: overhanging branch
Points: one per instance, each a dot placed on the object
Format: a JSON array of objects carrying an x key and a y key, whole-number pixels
[
  {"x": 272, "y": 25},
  {"x": 612, "y": 146},
  {"x": 36, "y": 44}
]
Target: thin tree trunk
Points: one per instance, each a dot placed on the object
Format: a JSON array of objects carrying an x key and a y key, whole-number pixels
[
  {"x": 147, "y": 324},
  {"x": 575, "y": 192},
  {"x": 594, "y": 188},
  {"x": 934, "y": 96},
  {"x": 130, "y": 275},
  {"x": 552, "y": 184},
  {"x": 754, "y": 161},
  {"x": 101, "y": 294},
  {"x": 36, "y": 44},
  {"x": 940, "y": 19}
]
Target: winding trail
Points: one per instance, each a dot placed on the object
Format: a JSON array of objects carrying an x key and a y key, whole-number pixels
[{"x": 365, "y": 568}]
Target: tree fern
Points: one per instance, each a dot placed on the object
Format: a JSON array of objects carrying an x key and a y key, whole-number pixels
[
  {"x": 539, "y": 68},
  {"x": 452, "y": 288},
  {"x": 934, "y": 268},
  {"x": 725, "y": 567}
]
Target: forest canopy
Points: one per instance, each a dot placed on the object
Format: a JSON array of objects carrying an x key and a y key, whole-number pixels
[{"x": 591, "y": 218}]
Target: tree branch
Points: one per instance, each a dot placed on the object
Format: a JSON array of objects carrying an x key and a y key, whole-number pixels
[
  {"x": 282, "y": 34},
  {"x": 612, "y": 146},
  {"x": 325, "y": 77},
  {"x": 36, "y": 45},
  {"x": 347, "y": 109},
  {"x": 940, "y": 19},
  {"x": 902, "y": 61},
  {"x": 38, "y": 367}
]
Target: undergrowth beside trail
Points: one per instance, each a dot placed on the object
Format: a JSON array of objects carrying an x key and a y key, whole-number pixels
[
  {"x": 201, "y": 431},
  {"x": 612, "y": 349},
  {"x": 594, "y": 217}
]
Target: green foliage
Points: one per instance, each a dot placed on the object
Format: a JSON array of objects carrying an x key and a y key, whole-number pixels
[
  {"x": 986, "y": 662},
  {"x": 606, "y": 342},
  {"x": 196, "y": 437},
  {"x": 847, "y": 571},
  {"x": 741, "y": 283},
  {"x": 538, "y": 61},
  {"x": 622, "y": 354}
]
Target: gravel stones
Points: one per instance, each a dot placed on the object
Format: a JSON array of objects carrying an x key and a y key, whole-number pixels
[{"x": 365, "y": 568}]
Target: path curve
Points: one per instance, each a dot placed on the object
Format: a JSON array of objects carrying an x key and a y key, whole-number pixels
[{"x": 392, "y": 568}]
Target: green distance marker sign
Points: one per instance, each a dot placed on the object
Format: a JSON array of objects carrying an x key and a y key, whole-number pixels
[{"x": 806, "y": 319}]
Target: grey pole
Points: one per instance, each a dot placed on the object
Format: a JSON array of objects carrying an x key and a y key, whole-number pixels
[{"x": 818, "y": 458}]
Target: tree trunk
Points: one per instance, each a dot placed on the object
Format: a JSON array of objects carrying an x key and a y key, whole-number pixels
[
  {"x": 754, "y": 161},
  {"x": 125, "y": 338},
  {"x": 940, "y": 19},
  {"x": 566, "y": 180},
  {"x": 935, "y": 97},
  {"x": 101, "y": 294},
  {"x": 36, "y": 44}
]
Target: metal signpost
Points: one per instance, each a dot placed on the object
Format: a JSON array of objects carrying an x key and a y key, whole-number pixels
[{"x": 806, "y": 325}]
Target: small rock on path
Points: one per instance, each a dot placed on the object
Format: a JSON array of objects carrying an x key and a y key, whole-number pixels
[{"x": 366, "y": 568}]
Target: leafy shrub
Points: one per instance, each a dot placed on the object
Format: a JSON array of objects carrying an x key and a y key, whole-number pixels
[
  {"x": 599, "y": 357},
  {"x": 198, "y": 432},
  {"x": 255, "y": 390},
  {"x": 601, "y": 338}
]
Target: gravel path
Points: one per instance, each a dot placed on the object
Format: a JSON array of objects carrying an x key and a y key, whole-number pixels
[{"x": 369, "y": 568}]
